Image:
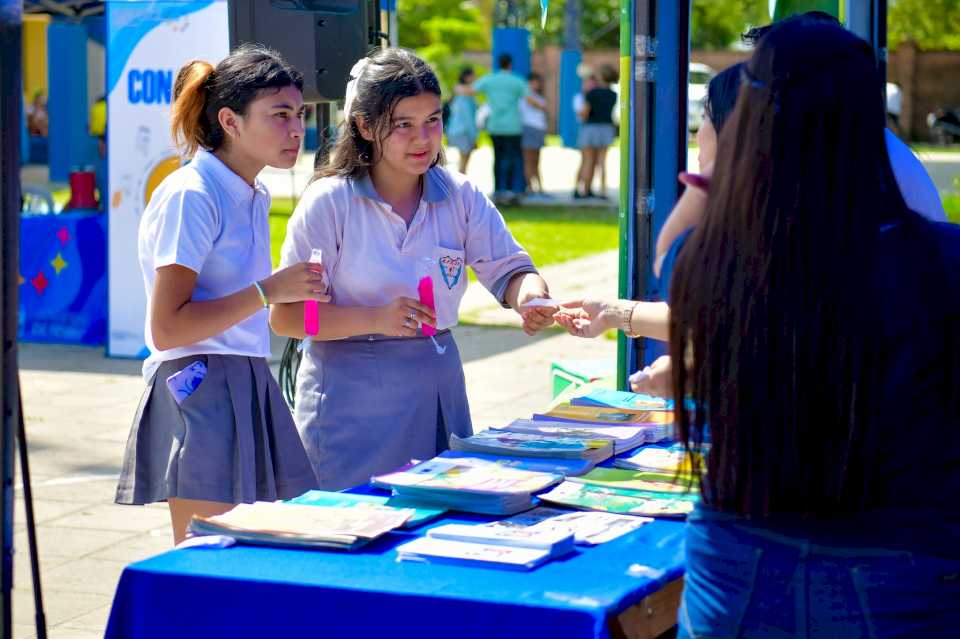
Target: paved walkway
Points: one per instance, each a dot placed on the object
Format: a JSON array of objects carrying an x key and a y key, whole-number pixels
[{"x": 79, "y": 405}]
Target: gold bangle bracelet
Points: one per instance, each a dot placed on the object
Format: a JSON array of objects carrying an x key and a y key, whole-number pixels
[{"x": 626, "y": 320}]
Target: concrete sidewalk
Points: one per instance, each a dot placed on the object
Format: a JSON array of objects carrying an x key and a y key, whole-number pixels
[{"x": 79, "y": 404}]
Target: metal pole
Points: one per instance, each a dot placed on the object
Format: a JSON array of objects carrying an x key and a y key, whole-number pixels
[
  {"x": 637, "y": 214},
  {"x": 658, "y": 48},
  {"x": 11, "y": 103}
]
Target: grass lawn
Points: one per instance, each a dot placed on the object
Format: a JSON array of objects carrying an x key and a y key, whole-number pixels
[
  {"x": 550, "y": 235},
  {"x": 926, "y": 147},
  {"x": 951, "y": 202}
]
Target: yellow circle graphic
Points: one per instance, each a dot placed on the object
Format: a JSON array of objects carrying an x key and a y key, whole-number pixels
[{"x": 161, "y": 170}]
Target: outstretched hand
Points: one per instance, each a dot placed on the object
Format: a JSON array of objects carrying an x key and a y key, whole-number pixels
[
  {"x": 536, "y": 318},
  {"x": 584, "y": 318},
  {"x": 655, "y": 379}
]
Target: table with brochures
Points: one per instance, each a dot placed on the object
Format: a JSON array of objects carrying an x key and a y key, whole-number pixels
[{"x": 627, "y": 587}]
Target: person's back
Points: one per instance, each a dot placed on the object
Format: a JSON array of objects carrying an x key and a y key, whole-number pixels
[
  {"x": 503, "y": 90},
  {"x": 601, "y": 100},
  {"x": 821, "y": 320}
]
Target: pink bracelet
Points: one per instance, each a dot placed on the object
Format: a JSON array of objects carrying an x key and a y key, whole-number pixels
[
  {"x": 311, "y": 317},
  {"x": 695, "y": 180}
]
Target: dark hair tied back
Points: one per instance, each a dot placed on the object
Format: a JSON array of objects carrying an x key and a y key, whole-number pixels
[{"x": 201, "y": 90}]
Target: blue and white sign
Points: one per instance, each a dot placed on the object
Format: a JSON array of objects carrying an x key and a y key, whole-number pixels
[{"x": 148, "y": 41}]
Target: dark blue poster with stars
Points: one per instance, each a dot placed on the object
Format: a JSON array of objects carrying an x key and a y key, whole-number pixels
[{"x": 63, "y": 278}]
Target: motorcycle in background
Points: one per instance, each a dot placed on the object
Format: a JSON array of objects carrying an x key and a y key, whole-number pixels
[{"x": 944, "y": 125}]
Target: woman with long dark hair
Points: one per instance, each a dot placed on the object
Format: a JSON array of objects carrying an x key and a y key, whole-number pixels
[{"x": 818, "y": 319}]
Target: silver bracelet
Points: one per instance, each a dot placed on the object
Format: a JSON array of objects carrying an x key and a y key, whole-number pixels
[
  {"x": 626, "y": 320},
  {"x": 263, "y": 296}
]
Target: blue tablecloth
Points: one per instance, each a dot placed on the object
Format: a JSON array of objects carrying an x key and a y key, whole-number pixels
[
  {"x": 248, "y": 591},
  {"x": 63, "y": 278}
]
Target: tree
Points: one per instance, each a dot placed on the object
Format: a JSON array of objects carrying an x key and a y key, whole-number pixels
[
  {"x": 930, "y": 24},
  {"x": 599, "y": 24},
  {"x": 441, "y": 30},
  {"x": 717, "y": 24}
]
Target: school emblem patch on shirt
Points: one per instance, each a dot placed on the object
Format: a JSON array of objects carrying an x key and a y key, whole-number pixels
[{"x": 451, "y": 268}]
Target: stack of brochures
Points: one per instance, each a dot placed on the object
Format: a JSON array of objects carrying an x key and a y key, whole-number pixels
[
  {"x": 665, "y": 459},
  {"x": 468, "y": 484},
  {"x": 325, "y": 499},
  {"x": 607, "y": 398},
  {"x": 282, "y": 524},
  {"x": 627, "y": 492},
  {"x": 623, "y": 438},
  {"x": 588, "y": 527},
  {"x": 657, "y": 424},
  {"x": 531, "y": 444},
  {"x": 518, "y": 548},
  {"x": 552, "y": 465}
]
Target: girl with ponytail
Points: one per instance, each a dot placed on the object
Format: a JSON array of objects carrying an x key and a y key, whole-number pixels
[
  {"x": 374, "y": 390},
  {"x": 212, "y": 429}
]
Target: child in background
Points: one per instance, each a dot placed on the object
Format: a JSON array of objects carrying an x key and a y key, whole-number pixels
[
  {"x": 462, "y": 129},
  {"x": 533, "y": 114}
]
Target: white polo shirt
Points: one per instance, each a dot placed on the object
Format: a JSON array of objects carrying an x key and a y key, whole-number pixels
[
  {"x": 371, "y": 255},
  {"x": 205, "y": 217}
]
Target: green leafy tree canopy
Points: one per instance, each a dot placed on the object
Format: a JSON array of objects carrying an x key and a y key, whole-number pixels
[
  {"x": 718, "y": 24},
  {"x": 930, "y": 24}
]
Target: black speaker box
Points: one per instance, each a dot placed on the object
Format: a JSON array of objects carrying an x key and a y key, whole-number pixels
[{"x": 321, "y": 38}]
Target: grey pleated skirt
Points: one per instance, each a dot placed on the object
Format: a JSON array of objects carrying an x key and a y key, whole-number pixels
[
  {"x": 233, "y": 440},
  {"x": 368, "y": 405}
]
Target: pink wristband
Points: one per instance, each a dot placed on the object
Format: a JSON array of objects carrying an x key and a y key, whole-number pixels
[
  {"x": 311, "y": 317},
  {"x": 695, "y": 180}
]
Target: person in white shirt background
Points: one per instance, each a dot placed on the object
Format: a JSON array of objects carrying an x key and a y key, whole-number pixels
[
  {"x": 533, "y": 115},
  {"x": 372, "y": 390},
  {"x": 212, "y": 429}
]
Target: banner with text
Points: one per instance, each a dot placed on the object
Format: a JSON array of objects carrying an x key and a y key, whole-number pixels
[{"x": 148, "y": 41}]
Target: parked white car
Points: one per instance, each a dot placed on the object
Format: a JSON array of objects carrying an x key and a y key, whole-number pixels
[{"x": 699, "y": 76}]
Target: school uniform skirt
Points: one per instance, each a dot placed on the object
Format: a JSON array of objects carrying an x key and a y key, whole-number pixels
[
  {"x": 369, "y": 404},
  {"x": 233, "y": 440}
]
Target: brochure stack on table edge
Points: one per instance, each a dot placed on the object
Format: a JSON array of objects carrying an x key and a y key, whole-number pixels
[
  {"x": 467, "y": 484},
  {"x": 281, "y": 524}
]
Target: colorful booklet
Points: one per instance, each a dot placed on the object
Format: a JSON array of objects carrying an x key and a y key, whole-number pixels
[
  {"x": 626, "y": 502},
  {"x": 458, "y": 475},
  {"x": 626, "y": 479},
  {"x": 281, "y": 524},
  {"x": 534, "y": 445},
  {"x": 588, "y": 527},
  {"x": 605, "y": 416},
  {"x": 465, "y": 553},
  {"x": 325, "y": 499},
  {"x": 662, "y": 459},
  {"x": 557, "y": 541},
  {"x": 608, "y": 398},
  {"x": 471, "y": 485},
  {"x": 552, "y": 465},
  {"x": 623, "y": 437}
]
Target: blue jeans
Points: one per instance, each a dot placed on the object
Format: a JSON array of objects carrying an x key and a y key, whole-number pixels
[
  {"x": 744, "y": 581},
  {"x": 508, "y": 164}
]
